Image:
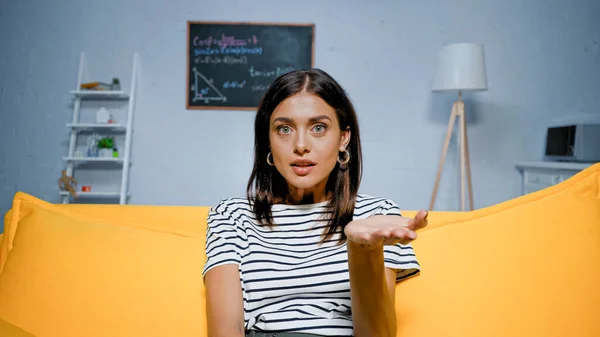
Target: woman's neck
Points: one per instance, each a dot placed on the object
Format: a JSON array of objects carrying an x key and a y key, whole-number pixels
[{"x": 302, "y": 197}]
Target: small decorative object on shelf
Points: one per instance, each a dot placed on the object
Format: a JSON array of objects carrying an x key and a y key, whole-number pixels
[
  {"x": 92, "y": 145},
  {"x": 95, "y": 86},
  {"x": 86, "y": 188},
  {"x": 115, "y": 153},
  {"x": 103, "y": 116},
  {"x": 105, "y": 146},
  {"x": 66, "y": 183},
  {"x": 116, "y": 84}
]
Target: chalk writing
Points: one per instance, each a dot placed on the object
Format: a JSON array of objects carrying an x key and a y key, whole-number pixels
[
  {"x": 225, "y": 41},
  {"x": 222, "y": 60},
  {"x": 234, "y": 84},
  {"x": 269, "y": 73},
  {"x": 259, "y": 87},
  {"x": 228, "y": 50},
  {"x": 200, "y": 94}
]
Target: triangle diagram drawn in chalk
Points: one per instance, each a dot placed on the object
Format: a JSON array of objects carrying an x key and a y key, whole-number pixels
[{"x": 204, "y": 89}]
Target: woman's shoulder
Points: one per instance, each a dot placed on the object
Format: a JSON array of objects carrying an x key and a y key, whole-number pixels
[
  {"x": 231, "y": 205},
  {"x": 362, "y": 198},
  {"x": 229, "y": 214},
  {"x": 375, "y": 205}
]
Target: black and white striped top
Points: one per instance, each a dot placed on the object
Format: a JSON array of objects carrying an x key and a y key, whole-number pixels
[{"x": 289, "y": 281}]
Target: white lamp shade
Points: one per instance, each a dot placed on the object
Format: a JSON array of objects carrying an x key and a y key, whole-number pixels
[{"x": 461, "y": 66}]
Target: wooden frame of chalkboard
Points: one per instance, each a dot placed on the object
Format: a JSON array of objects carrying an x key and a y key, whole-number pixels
[{"x": 231, "y": 64}]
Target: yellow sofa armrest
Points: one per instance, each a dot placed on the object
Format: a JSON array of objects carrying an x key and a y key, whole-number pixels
[
  {"x": 6, "y": 220},
  {"x": 9, "y": 330}
]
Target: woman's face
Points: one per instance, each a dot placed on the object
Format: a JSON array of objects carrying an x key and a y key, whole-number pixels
[{"x": 305, "y": 141}]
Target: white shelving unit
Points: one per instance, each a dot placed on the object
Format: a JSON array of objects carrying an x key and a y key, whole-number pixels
[
  {"x": 537, "y": 175},
  {"x": 77, "y": 127},
  {"x": 94, "y": 159},
  {"x": 100, "y": 94},
  {"x": 92, "y": 126}
]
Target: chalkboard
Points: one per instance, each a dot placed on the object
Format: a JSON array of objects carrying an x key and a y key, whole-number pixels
[{"x": 231, "y": 64}]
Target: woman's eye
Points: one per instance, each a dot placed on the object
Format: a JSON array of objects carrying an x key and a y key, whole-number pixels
[
  {"x": 319, "y": 128},
  {"x": 285, "y": 129}
]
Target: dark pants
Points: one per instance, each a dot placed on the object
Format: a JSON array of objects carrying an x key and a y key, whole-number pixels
[{"x": 253, "y": 333}]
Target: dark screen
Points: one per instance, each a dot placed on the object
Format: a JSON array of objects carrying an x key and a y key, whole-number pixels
[{"x": 560, "y": 141}]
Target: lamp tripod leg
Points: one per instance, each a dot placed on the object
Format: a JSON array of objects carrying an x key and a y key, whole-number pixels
[
  {"x": 461, "y": 118},
  {"x": 451, "y": 123},
  {"x": 466, "y": 163}
]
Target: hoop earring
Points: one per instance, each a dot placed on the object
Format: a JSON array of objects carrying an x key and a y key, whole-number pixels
[
  {"x": 270, "y": 162},
  {"x": 346, "y": 158}
]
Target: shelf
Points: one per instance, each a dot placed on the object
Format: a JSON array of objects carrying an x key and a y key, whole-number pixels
[
  {"x": 95, "y": 159},
  {"x": 99, "y": 94},
  {"x": 97, "y": 126},
  {"x": 81, "y": 125},
  {"x": 93, "y": 194},
  {"x": 560, "y": 165}
]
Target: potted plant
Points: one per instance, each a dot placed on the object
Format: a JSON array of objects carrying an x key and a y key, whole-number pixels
[
  {"x": 105, "y": 146},
  {"x": 116, "y": 84}
]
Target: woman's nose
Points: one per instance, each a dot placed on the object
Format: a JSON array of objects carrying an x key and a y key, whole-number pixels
[{"x": 301, "y": 145}]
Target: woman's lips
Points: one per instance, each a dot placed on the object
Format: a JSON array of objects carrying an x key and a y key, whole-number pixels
[{"x": 303, "y": 169}]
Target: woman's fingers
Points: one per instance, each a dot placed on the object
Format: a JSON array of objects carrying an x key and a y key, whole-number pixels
[
  {"x": 384, "y": 233},
  {"x": 401, "y": 235},
  {"x": 419, "y": 221},
  {"x": 386, "y": 230}
]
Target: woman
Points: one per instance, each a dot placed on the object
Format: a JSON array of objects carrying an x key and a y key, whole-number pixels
[{"x": 304, "y": 254}]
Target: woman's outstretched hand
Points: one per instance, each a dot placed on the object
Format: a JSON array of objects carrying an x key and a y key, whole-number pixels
[{"x": 381, "y": 230}]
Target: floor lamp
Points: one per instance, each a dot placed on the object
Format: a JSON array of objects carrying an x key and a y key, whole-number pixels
[{"x": 461, "y": 67}]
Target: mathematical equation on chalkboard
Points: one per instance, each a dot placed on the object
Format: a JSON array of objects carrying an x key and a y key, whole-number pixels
[{"x": 231, "y": 65}]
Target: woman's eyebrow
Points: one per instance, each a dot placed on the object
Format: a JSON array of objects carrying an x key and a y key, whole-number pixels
[
  {"x": 288, "y": 120},
  {"x": 319, "y": 118},
  {"x": 283, "y": 120}
]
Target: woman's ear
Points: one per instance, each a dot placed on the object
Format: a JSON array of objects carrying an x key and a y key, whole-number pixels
[{"x": 345, "y": 139}]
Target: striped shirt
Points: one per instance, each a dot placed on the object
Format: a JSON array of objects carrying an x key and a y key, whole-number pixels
[{"x": 290, "y": 282}]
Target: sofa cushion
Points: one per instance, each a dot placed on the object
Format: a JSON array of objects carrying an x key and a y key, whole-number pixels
[
  {"x": 68, "y": 274},
  {"x": 10, "y": 330},
  {"x": 190, "y": 220},
  {"x": 529, "y": 266}
]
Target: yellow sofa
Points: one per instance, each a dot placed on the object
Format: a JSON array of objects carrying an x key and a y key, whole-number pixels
[{"x": 529, "y": 266}]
